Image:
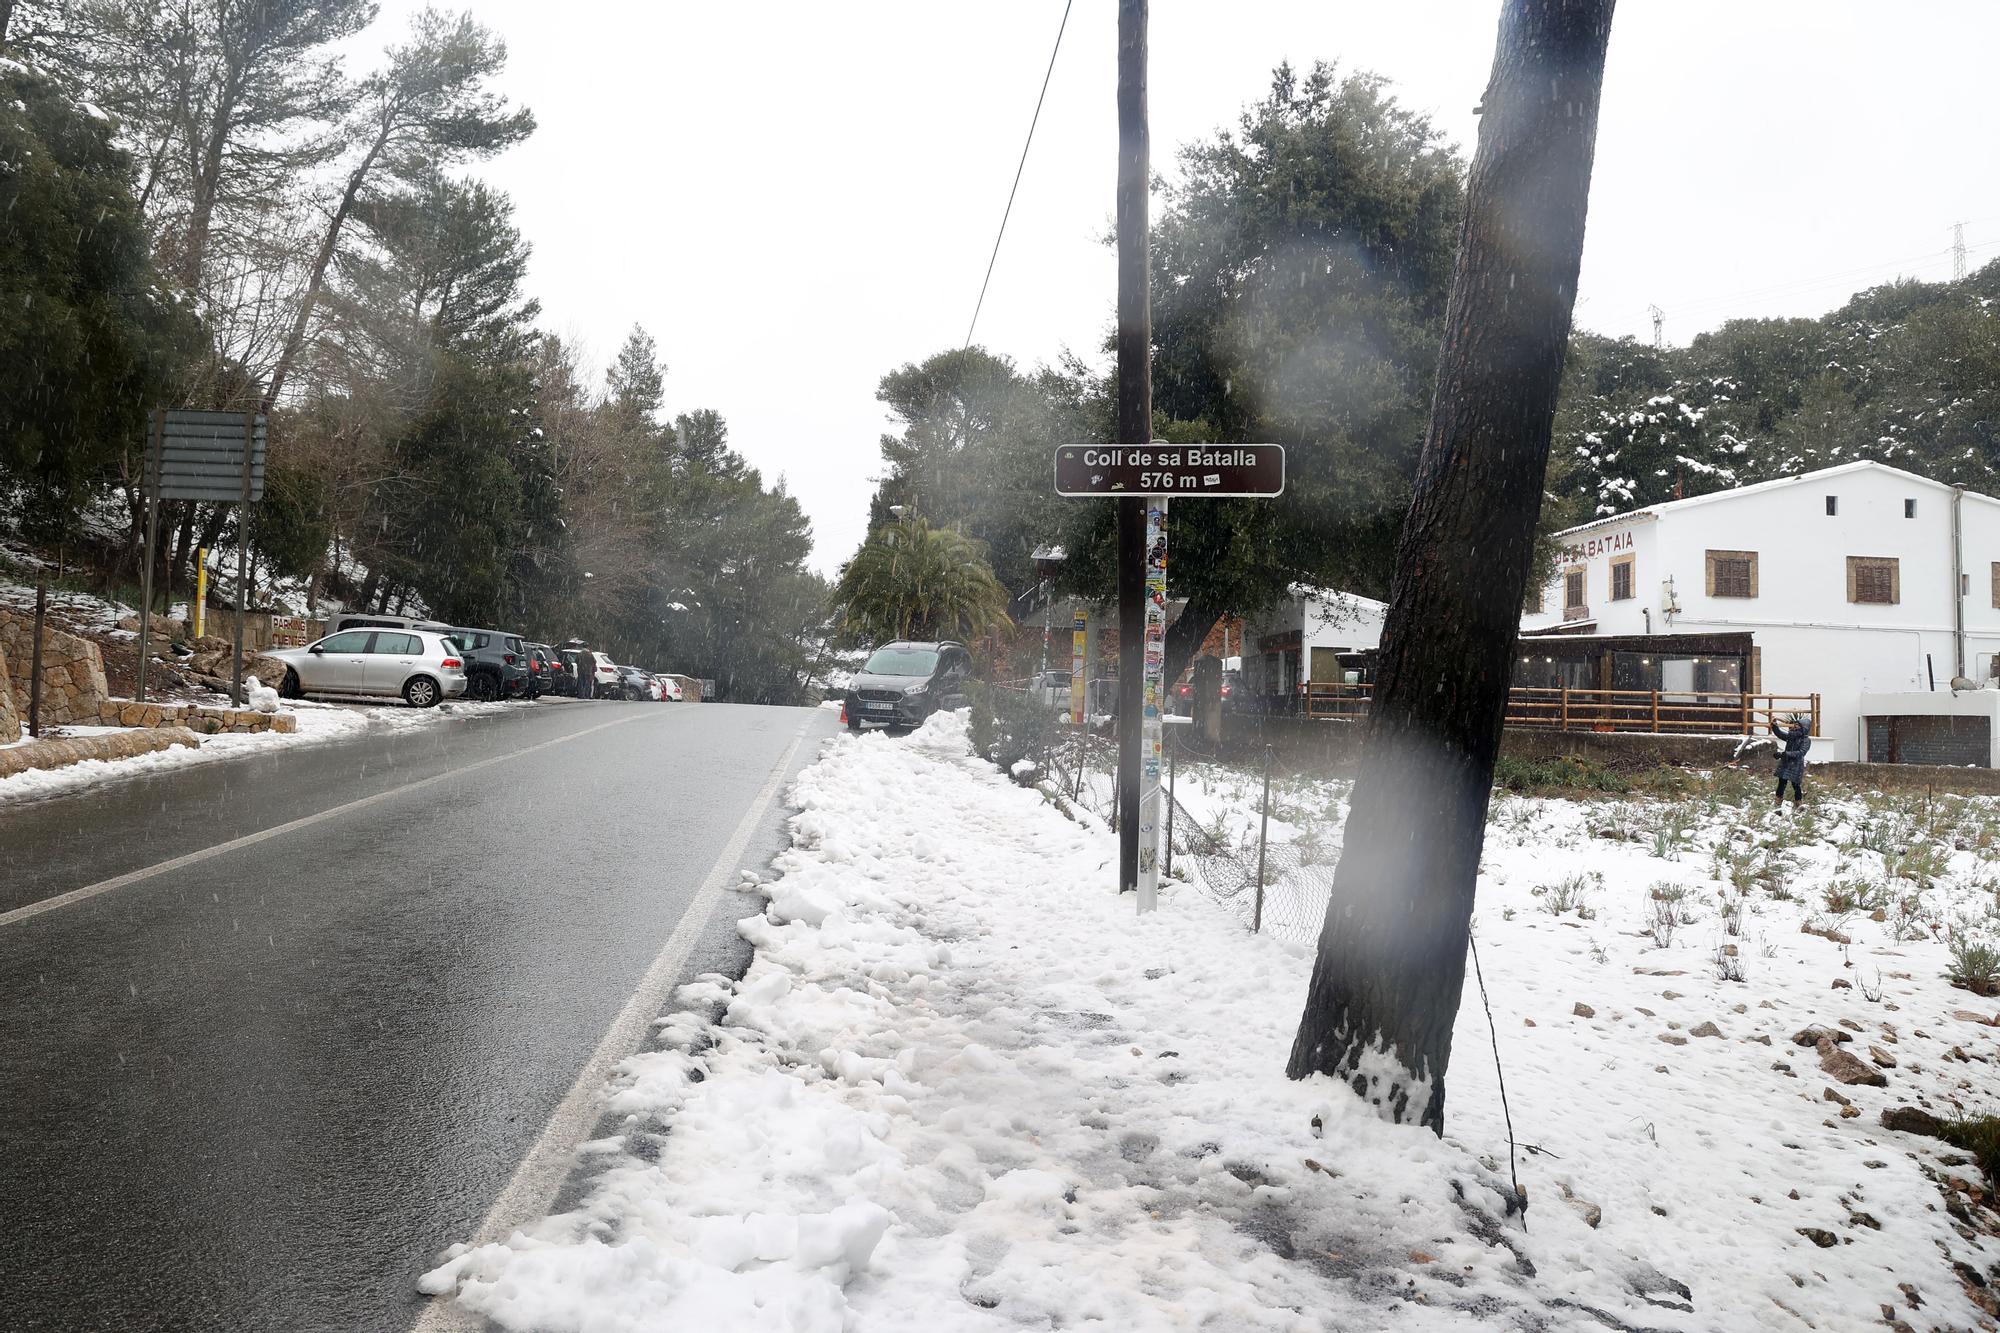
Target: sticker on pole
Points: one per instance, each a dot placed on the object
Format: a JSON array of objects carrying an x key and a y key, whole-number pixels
[{"x": 1184, "y": 471}]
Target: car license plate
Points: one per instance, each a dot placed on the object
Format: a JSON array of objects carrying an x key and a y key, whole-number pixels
[{"x": 874, "y": 707}]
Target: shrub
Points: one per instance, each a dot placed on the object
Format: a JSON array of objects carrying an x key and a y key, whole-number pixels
[
  {"x": 1845, "y": 896},
  {"x": 1565, "y": 773},
  {"x": 1007, "y": 726},
  {"x": 1974, "y": 966},
  {"x": 1662, "y": 924},
  {"x": 1569, "y": 895},
  {"x": 1980, "y": 1136}
]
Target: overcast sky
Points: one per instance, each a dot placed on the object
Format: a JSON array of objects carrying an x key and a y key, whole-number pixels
[{"x": 795, "y": 198}]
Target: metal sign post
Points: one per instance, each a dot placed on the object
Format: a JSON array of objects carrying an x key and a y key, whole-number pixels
[
  {"x": 242, "y": 562},
  {"x": 150, "y": 484},
  {"x": 1079, "y": 667},
  {"x": 213, "y": 456},
  {"x": 1144, "y": 477}
]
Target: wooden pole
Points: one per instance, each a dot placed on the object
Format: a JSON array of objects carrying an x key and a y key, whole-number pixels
[{"x": 1135, "y": 419}]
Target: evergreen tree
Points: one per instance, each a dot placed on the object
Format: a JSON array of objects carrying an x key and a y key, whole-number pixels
[
  {"x": 637, "y": 380},
  {"x": 87, "y": 344},
  {"x": 1300, "y": 272}
]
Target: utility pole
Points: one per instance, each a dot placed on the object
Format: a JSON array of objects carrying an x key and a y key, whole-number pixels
[
  {"x": 1135, "y": 419},
  {"x": 1659, "y": 325},
  {"x": 1957, "y": 251}
]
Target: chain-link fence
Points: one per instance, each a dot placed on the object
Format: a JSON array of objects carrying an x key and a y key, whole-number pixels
[{"x": 1276, "y": 886}]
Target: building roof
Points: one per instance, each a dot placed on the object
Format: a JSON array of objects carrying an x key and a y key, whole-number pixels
[{"x": 1652, "y": 512}]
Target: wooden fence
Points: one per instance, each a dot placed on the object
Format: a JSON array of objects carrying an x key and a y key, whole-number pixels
[{"x": 1561, "y": 709}]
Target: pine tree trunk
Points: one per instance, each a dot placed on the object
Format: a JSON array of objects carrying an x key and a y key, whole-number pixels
[
  {"x": 1391, "y": 965},
  {"x": 1186, "y": 636}
]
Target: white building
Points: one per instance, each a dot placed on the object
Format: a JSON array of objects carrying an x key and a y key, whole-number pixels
[
  {"x": 1304, "y": 638},
  {"x": 1866, "y": 585}
]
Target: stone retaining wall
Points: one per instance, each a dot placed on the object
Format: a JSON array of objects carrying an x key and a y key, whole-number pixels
[
  {"x": 10, "y": 717},
  {"x": 207, "y": 721},
  {"x": 72, "y": 670},
  {"x": 60, "y": 752}
]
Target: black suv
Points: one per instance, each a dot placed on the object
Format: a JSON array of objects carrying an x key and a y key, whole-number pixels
[
  {"x": 545, "y": 671},
  {"x": 903, "y": 683},
  {"x": 496, "y": 663}
]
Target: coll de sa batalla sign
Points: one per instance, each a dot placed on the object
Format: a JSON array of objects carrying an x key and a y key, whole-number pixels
[{"x": 1192, "y": 470}]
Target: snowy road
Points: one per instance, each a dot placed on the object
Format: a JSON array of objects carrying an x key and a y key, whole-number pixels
[{"x": 253, "y": 1090}]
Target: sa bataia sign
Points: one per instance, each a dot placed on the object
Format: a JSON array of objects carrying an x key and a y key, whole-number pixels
[{"x": 1193, "y": 471}]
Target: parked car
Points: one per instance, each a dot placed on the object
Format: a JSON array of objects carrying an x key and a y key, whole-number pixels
[
  {"x": 422, "y": 666},
  {"x": 670, "y": 689},
  {"x": 1232, "y": 694},
  {"x": 903, "y": 683},
  {"x": 605, "y": 682},
  {"x": 1051, "y": 689},
  {"x": 632, "y": 683},
  {"x": 368, "y": 620},
  {"x": 544, "y": 671},
  {"x": 496, "y": 663}
]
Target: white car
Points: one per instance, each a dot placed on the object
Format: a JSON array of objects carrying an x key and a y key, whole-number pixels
[
  {"x": 671, "y": 689},
  {"x": 606, "y": 676},
  {"x": 422, "y": 666}
]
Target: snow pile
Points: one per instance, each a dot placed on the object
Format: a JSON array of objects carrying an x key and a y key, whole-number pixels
[
  {"x": 258, "y": 695},
  {"x": 316, "y": 722},
  {"x": 962, "y": 1086}
]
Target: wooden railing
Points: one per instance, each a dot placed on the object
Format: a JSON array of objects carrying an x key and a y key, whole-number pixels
[{"x": 1693, "y": 712}]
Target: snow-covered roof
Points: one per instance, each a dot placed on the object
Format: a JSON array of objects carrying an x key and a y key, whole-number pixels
[
  {"x": 1304, "y": 593},
  {"x": 1652, "y": 512}
]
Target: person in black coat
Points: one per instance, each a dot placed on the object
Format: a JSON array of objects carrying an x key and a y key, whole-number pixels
[{"x": 1797, "y": 740}]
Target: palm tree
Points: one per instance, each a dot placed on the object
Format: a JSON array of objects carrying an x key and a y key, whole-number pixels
[{"x": 910, "y": 580}]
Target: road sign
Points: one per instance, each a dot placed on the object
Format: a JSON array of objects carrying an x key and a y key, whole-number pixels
[
  {"x": 216, "y": 456},
  {"x": 1189, "y": 471},
  {"x": 201, "y": 456}
]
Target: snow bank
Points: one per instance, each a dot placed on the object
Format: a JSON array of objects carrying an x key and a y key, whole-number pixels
[
  {"x": 316, "y": 722},
  {"x": 963, "y": 1086}
]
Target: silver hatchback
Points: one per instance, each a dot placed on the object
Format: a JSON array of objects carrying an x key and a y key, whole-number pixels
[{"x": 419, "y": 665}]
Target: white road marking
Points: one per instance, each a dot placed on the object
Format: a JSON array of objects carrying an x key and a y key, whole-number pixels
[
  {"x": 541, "y": 1173},
  {"x": 264, "y": 835}
]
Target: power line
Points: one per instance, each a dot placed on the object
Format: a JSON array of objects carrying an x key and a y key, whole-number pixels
[{"x": 1015, "y": 188}]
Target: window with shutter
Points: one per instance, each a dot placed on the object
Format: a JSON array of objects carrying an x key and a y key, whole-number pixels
[
  {"x": 1873, "y": 580},
  {"x": 1574, "y": 605},
  {"x": 1732, "y": 573},
  {"x": 1621, "y": 579},
  {"x": 1996, "y": 585}
]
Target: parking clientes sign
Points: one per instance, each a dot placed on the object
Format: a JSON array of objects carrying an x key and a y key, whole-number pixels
[{"x": 1193, "y": 471}]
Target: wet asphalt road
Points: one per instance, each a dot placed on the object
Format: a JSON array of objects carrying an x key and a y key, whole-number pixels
[{"x": 263, "y": 1090}]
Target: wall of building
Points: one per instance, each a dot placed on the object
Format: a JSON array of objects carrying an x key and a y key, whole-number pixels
[
  {"x": 1935, "y": 727},
  {"x": 1811, "y": 638},
  {"x": 1593, "y": 550}
]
